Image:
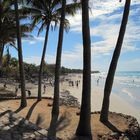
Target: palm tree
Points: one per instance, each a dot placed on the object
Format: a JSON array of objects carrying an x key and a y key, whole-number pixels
[
  {"x": 55, "y": 108},
  {"x": 113, "y": 64},
  {"x": 21, "y": 65},
  {"x": 84, "y": 127},
  {"x": 1, "y": 53},
  {"x": 8, "y": 27},
  {"x": 46, "y": 13},
  {"x": 8, "y": 31},
  {"x": 5, "y": 14}
]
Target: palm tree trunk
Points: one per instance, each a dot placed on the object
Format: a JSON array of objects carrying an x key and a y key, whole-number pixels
[
  {"x": 21, "y": 65},
  {"x": 84, "y": 127},
  {"x": 55, "y": 109},
  {"x": 113, "y": 65},
  {"x": 1, "y": 54},
  {"x": 42, "y": 61}
]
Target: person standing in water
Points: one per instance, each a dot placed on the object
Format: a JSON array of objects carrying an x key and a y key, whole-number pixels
[{"x": 97, "y": 82}]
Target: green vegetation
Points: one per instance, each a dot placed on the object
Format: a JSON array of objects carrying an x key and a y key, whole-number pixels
[{"x": 10, "y": 68}]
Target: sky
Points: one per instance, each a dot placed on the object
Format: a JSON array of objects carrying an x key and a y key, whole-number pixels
[{"x": 105, "y": 20}]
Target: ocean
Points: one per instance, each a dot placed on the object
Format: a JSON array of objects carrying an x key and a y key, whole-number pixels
[{"x": 126, "y": 85}]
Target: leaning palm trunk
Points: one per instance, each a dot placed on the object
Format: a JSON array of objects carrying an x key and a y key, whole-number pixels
[
  {"x": 84, "y": 127},
  {"x": 21, "y": 65},
  {"x": 41, "y": 64},
  {"x": 113, "y": 65},
  {"x": 55, "y": 109}
]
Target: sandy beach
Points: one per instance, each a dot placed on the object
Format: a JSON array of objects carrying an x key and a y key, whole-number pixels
[
  {"x": 36, "y": 109},
  {"x": 117, "y": 104}
]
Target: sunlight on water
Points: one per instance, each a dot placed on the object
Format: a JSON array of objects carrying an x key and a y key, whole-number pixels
[{"x": 126, "y": 85}]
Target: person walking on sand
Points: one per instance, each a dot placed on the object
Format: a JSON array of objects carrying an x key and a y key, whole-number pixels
[
  {"x": 16, "y": 89},
  {"x": 72, "y": 83},
  {"x": 44, "y": 88},
  {"x": 77, "y": 83},
  {"x": 29, "y": 93}
]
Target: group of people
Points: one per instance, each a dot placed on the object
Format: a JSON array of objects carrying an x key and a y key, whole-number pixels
[
  {"x": 16, "y": 88},
  {"x": 19, "y": 86},
  {"x": 74, "y": 83}
]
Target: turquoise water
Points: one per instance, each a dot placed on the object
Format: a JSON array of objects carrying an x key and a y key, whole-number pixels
[
  {"x": 129, "y": 78},
  {"x": 128, "y": 73},
  {"x": 126, "y": 85}
]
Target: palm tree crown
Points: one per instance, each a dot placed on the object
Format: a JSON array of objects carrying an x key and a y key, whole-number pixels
[{"x": 49, "y": 12}]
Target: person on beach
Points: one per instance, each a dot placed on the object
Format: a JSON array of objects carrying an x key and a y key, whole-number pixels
[
  {"x": 16, "y": 89},
  {"x": 72, "y": 83},
  {"x": 97, "y": 82},
  {"x": 44, "y": 88},
  {"x": 29, "y": 93},
  {"x": 5, "y": 85},
  {"x": 77, "y": 83}
]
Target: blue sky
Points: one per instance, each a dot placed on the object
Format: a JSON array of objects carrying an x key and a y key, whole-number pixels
[{"x": 105, "y": 19}]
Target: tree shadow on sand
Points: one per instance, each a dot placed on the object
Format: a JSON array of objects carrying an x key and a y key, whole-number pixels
[
  {"x": 13, "y": 127},
  {"x": 111, "y": 127},
  {"x": 31, "y": 110},
  {"x": 107, "y": 124},
  {"x": 63, "y": 121},
  {"x": 18, "y": 110},
  {"x": 4, "y": 113}
]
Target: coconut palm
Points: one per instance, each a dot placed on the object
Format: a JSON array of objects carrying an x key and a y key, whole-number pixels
[
  {"x": 5, "y": 14},
  {"x": 8, "y": 31},
  {"x": 84, "y": 127},
  {"x": 46, "y": 14},
  {"x": 55, "y": 108},
  {"x": 8, "y": 27},
  {"x": 20, "y": 57},
  {"x": 113, "y": 64}
]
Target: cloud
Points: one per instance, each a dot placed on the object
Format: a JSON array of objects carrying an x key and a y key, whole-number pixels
[
  {"x": 33, "y": 59},
  {"x": 109, "y": 34},
  {"x": 69, "y": 58},
  {"x": 100, "y": 9},
  {"x": 34, "y": 40},
  {"x": 36, "y": 59},
  {"x": 108, "y": 13}
]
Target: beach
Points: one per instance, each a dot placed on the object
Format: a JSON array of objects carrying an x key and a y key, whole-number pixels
[
  {"x": 69, "y": 88},
  {"x": 117, "y": 101}
]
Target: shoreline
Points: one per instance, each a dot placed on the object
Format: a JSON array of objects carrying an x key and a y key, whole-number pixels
[{"x": 117, "y": 103}]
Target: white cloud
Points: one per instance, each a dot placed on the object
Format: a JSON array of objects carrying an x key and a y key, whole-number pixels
[
  {"x": 69, "y": 58},
  {"x": 73, "y": 58},
  {"x": 36, "y": 59},
  {"x": 99, "y": 9},
  {"x": 33, "y": 60},
  {"x": 107, "y": 30},
  {"x": 34, "y": 40}
]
